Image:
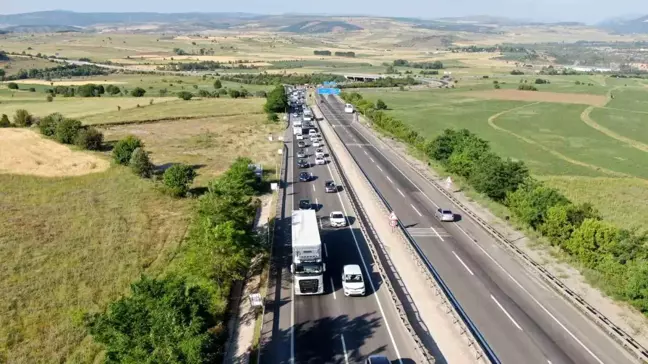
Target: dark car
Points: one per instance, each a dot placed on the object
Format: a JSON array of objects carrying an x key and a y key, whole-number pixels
[
  {"x": 303, "y": 163},
  {"x": 377, "y": 359},
  {"x": 304, "y": 177},
  {"x": 304, "y": 204},
  {"x": 329, "y": 186}
]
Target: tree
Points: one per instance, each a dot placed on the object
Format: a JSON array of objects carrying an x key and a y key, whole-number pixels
[
  {"x": 165, "y": 320},
  {"x": 273, "y": 117},
  {"x": 277, "y": 100},
  {"x": 112, "y": 90},
  {"x": 4, "y": 121},
  {"x": 12, "y": 86},
  {"x": 177, "y": 179},
  {"x": 217, "y": 84},
  {"x": 437, "y": 65},
  {"x": 531, "y": 201},
  {"x": 380, "y": 105},
  {"x": 496, "y": 177},
  {"x": 141, "y": 164},
  {"x": 89, "y": 138},
  {"x": 2, "y": 74},
  {"x": 204, "y": 93},
  {"x": 23, "y": 118},
  {"x": 67, "y": 130},
  {"x": 185, "y": 95},
  {"x": 49, "y": 98},
  {"x": 138, "y": 92},
  {"x": 48, "y": 124},
  {"x": 124, "y": 149},
  {"x": 592, "y": 240},
  {"x": 235, "y": 94}
]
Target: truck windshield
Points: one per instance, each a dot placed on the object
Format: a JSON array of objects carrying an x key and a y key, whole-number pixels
[{"x": 308, "y": 269}]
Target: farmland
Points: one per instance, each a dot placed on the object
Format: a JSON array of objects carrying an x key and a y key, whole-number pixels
[{"x": 548, "y": 130}]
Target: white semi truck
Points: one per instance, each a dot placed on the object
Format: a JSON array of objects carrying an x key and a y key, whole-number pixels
[{"x": 307, "y": 264}]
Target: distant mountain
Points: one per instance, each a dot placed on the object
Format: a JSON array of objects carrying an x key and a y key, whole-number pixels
[
  {"x": 626, "y": 26},
  {"x": 319, "y": 26},
  {"x": 41, "y": 29}
]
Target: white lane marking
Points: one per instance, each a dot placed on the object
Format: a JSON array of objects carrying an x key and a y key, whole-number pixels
[
  {"x": 399, "y": 191},
  {"x": 313, "y": 188},
  {"x": 372, "y": 160},
  {"x": 333, "y": 288},
  {"x": 389, "y": 179},
  {"x": 462, "y": 263},
  {"x": 416, "y": 210},
  {"x": 325, "y": 250},
  {"x": 437, "y": 233},
  {"x": 364, "y": 264},
  {"x": 380, "y": 168},
  {"x": 316, "y": 204},
  {"x": 346, "y": 356},
  {"x": 365, "y": 152},
  {"x": 482, "y": 249},
  {"x": 548, "y": 361},
  {"x": 506, "y": 313}
]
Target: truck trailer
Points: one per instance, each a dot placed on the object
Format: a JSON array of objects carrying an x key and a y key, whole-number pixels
[{"x": 307, "y": 266}]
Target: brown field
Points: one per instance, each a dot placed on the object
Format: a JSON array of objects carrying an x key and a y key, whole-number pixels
[
  {"x": 25, "y": 152},
  {"x": 517, "y": 95}
]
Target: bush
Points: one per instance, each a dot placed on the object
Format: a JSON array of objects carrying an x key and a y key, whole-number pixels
[
  {"x": 218, "y": 84},
  {"x": 67, "y": 131},
  {"x": 124, "y": 149},
  {"x": 517, "y": 72},
  {"x": 525, "y": 87},
  {"x": 177, "y": 179},
  {"x": 141, "y": 164},
  {"x": 185, "y": 95},
  {"x": 138, "y": 92},
  {"x": 48, "y": 124},
  {"x": 4, "y": 121},
  {"x": 273, "y": 117},
  {"x": 204, "y": 93},
  {"x": 89, "y": 138},
  {"x": 277, "y": 100},
  {"x": 12, "y": 86},
  {"x": 380, "y": 105},
  {"x": 49, "y": 98},
  {"x": 235, "y": 94},
  {"x": 23, "y": 118},
  {"x": 32, "y": 89},
  {"x": 260, "y": 93},
  {"x": 497, "y": 86}
]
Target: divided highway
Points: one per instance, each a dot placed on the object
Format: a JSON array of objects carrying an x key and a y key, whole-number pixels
[
  {"x": 521, "y": 318},
  {"x": 328, "y": 328}
]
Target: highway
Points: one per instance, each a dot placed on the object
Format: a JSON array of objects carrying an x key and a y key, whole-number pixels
[
  {"x": 522, "y": 319},
  {"x": 329, "y": 328}
]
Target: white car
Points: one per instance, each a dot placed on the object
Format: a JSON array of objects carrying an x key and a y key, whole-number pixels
[
  {"x": 348, "y": 108},
  {"x": 337, "y": 219},
  {"x": 444, "y": 215},
  {"x": 352, "y": 280},
  {"x": 300, "y": 137},
  {"x": 318, "y": 143},
  {"x": 314, "y": 138},
  {"x": 312, "y": 132},
  {"x": 320, "y": 161},
  {"x": 319, "y": 153}
]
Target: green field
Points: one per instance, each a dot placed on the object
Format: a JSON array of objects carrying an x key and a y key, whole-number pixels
[{"x": 553, "y": 140}]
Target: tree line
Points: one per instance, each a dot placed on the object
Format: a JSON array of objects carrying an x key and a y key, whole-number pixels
[
  {"x": 64, "y": 71},
  {"x": 436, "y": 65},
  {"x": 180, "y": 316},
  {"x": 382, "y": 82},
  {"x": 322, "y": 53},
  {"x": 615, "y": 258},
  {"x": 289, "y": 79}
]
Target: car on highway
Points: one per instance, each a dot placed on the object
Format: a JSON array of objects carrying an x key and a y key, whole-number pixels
[
  {"x": 301, "y": 153},
  {"x": 312, "y": 132},
  {"x": 330, "y": 187},
  {"x": 377, "y": 359},
  {"x": 318, "y": 143},
  {"x": 444, "y": 215},
  {"x": 303, "y": 163},
  {"x": 348, "y": 108},
  {"x": 305, "y": 176},
  {"x": 314, "y": 138},
  {"x": 320, "y": 161},
  {"x": 337, "y": 219},
  {"x": 301, "y": 144},
  {"x": 352, "y": 280},
  {"x": 299, "y": 136},
  {"x": 319, "y": 153},
  {"x": 304, "y": 204}
]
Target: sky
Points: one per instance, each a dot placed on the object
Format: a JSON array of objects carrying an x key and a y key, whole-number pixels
[{"x": 589, "y": 11}]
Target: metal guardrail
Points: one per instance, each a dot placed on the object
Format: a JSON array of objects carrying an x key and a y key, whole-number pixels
[
  {"x": 631, "y": 345},
  {"x": 486, "y": 350}
]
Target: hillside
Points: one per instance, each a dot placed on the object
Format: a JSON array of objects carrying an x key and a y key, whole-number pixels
[
  {"x": 320, "y": 27},
  {"x": 637, "y": 25}
]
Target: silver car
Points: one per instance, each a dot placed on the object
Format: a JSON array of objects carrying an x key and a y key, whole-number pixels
[{"x": 444, "y": 215}]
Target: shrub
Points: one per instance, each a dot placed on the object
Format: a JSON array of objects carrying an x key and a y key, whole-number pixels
[
  {"x": 124, "y": 149},
  {"x": 273, "y": 117},
  {"x": 525, "y": 87},
  {"x": 380, "y": 105},
  {"x": 497, "y": 86},
  {"x": 235, "y": 94},
  {"x": 277, "y": 100},
  {"x": 32, "y": 89},
  {"x": 204, "y": 93},
  {"x": 138, "y": 92},
  {"x": 89, "y": 138},
  {"x": 185, "y": 95},
  {"x": 4, "y": 121},
  {"x": 23, "y": 118},
  {"x": 517, "y": 72},
  {"x": 67, "y": 130},
  {"x": 48, "y": 124},
  {"x": 141, "y": 164},
  {"x": 49, "y": 98},
  {"x": 12, "y": 86},
  {"x": 218, "y": 84},
  {"x": 177, "y": 179},
  {"x": 260, "y": 93}
]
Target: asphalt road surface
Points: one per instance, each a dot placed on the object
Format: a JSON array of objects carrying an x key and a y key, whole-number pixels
[
  {"x": 522, "y": 319},
  {"x": 331, "y": 328}
]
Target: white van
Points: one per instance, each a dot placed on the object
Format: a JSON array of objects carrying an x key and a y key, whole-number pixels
[
  {"x": 348, "y": 108},
  {"x": 352, "y": 280}
]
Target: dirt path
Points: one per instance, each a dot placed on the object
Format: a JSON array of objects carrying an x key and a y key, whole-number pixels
[{"x": 491, "y": 122}]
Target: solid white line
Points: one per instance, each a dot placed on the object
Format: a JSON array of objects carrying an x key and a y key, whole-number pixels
[
  {"x": 399, "y": 191},
  {"x": 325, "y": 251},
  {"x": 389, "y": 179},
  {"x": 506, "y": 313},
  {"x": 333, "y": 288},
  {"x": 346, "y": 356},
  {"x": 437, "y": 233},
  {"x": 462, "y": 263},
  {"x": 380, "y": 168},
  {"x": 364, "y": 264},
  {"x": 416, "y": 210},
  {"x": 500, "y": 266}
]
